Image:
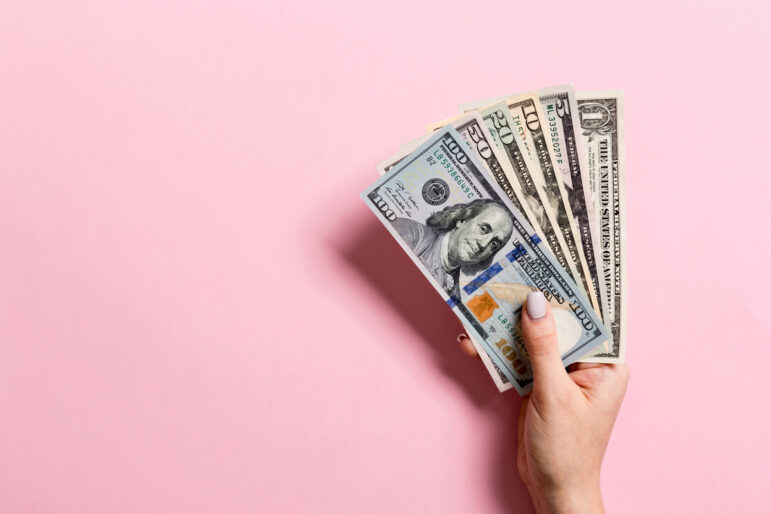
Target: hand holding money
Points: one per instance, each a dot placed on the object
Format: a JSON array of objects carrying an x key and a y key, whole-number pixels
[
  {"x": 504, "y": 201},
  {"x": 565, "y": 424}
]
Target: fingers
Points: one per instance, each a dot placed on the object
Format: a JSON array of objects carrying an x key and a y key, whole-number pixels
[
  {"x": 467, "y": 346},
  {"x": 600, "y": 379},
  {"x": 576, "y": 366},
  {"x": 540, "y": 336}
]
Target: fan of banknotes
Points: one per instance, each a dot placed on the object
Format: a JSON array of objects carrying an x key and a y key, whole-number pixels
[{"x": 517, "y": 194}]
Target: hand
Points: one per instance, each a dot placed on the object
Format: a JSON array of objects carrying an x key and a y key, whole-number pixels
[{"x": 565, "y": 422}]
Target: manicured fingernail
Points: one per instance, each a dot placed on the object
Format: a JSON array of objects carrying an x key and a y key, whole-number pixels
[
  {"x": 536, "y": 305},
  {"x": 461, "y": 336}
]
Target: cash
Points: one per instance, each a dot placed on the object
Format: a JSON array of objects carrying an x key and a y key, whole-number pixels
[
  {"x": 601, "y": 117},
  {"x": 561, "y": 111},
  {"x": 519, "y": 195},
  {"x": 526, "y": 114},
  {"x": 479, "y": 252},
  {"x": 550, "y": 179},
  {"x": 507, "y": 135},
  {"x": 559, "y": 108}
]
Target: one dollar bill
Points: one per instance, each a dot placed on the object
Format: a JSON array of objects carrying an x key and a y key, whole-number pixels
[{"x": 601, "y": 117}]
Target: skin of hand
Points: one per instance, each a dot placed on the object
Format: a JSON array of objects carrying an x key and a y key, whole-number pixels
[{"x": 566, "y": 421}]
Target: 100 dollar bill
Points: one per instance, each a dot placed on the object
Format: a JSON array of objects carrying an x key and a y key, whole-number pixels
[
  {"x": 474, "y": 131},
  {"x": 479, "y": 252},
  {"x": 479, "y": 138}
]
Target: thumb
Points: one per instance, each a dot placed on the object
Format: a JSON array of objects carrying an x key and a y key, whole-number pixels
[{"x": 540, "y": 336}]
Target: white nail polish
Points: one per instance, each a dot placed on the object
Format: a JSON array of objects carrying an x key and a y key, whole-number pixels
[{"x": 536, "y": 305}]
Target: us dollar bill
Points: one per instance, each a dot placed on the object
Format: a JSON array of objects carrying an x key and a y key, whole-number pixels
[
  {"x": 601, "y": 118},
  {"x": 476, "y": 133},
  {"x": 480, "y": 139},
  {"x": 559, "y": 108},
  {"x": 479, "y": 252},
  {"x": 498, "y": 377},
  {"x": 474, "y": 130},
  {"x": 508, "y": 136},
  {"x": 561, "y": 119},
  {"x": 386, "y": 165},
  {"x": 389, "y": 162},
  {"x": 527, "y": 110}
]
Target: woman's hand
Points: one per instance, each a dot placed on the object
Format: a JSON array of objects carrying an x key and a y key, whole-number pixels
[{"x": 566, "y": 421}]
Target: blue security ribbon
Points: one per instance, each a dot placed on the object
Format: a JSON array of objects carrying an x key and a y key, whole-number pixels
[
  {"x": 482, "y": 278},
  {"x": 516, "y": 252}
]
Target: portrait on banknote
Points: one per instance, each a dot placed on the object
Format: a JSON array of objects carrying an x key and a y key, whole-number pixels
[{"x": 464, "y": 237}]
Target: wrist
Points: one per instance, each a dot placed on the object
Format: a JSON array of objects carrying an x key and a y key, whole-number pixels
[{"x": 567, "y": 500}]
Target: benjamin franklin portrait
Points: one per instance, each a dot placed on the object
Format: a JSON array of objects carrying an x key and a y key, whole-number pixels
[{"x": 461, "y": 237}]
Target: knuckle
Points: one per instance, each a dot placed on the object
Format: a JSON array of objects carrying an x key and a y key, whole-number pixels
[{"x": 541, "y": 343}]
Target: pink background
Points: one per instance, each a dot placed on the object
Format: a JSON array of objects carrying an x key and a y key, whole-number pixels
[{"x": 198, "y": 313}]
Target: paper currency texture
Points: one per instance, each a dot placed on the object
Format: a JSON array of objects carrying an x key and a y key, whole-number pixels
[
  {"x": 526, "y": 109},
  {"x": 508, "y": 135},
  {"x": 561, "y": 122},
  {"x": 479, "y": 252},
  {"x": 601, "y": 117}
]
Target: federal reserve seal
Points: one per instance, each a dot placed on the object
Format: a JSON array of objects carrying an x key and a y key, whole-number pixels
[{"x": 436, "y": 191}]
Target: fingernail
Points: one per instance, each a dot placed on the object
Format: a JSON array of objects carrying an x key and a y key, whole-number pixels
[
  {"x": 536, "y": 305},
  {"x": 461, "y": 336}
]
